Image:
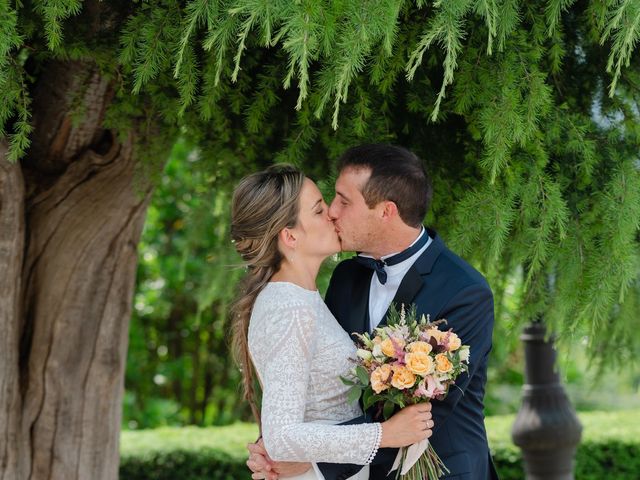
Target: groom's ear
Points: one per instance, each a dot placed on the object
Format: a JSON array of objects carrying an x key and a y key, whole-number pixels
[{"x": 389, "y": 210}]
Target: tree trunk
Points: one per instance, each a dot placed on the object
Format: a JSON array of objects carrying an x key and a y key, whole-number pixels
[
  {"x": 11, "y": 254},
  {"x": 174, "y": 342},
  {"x": 195, "y": 379},
  {"x": 69, "y": 249}
]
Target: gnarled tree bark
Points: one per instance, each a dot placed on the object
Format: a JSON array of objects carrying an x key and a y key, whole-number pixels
[
  {"x": 11, "y": 253},
  {"x": 68, "y": 242}
]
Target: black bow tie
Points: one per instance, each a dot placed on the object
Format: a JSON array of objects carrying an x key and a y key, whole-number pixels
[{"x": 378, "y": 265}]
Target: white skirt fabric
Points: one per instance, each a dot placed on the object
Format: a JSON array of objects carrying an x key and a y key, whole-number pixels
[{"x": 315, "y": 474}]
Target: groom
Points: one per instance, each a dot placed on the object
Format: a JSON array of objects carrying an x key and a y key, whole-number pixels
[{"x": 382, "y": 197}]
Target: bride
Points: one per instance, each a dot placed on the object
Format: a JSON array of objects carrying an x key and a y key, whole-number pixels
[{"x": 285, "y": 335}]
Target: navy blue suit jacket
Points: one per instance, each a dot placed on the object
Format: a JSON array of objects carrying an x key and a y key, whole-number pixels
[{"x": 442, "y": 285}]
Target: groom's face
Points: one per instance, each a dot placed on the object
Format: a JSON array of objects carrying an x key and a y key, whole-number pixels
[{"x": 355, "y": 222}]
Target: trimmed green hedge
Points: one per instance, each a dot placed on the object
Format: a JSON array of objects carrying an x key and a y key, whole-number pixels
[
  {"x": 610, "y": 449},
  {"x": 187, "y": 453}
]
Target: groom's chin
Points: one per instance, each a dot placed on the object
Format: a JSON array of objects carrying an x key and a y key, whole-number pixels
[{"x": 345, "y": 247}]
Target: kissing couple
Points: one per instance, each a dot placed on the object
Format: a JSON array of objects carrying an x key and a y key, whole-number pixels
[{"x": 297, "y": 345}]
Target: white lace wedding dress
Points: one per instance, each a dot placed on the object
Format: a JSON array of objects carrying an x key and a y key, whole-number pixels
[{"x": 299, "y": 350}]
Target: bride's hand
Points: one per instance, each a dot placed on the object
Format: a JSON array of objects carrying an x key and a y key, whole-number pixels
[{"x": 410, "y": 425}]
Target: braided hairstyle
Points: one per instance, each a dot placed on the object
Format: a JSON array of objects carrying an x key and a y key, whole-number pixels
[{"x": 263, "y": 204}]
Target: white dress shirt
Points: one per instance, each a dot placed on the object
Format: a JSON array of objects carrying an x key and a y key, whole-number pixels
[{"x": 380, "y": 296}]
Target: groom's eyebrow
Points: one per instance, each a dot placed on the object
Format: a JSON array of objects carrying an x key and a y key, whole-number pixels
[{"x": 343, "y": 196}]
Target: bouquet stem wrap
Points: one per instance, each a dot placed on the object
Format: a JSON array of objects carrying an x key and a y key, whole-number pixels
[{"x": 419, "y": 461}]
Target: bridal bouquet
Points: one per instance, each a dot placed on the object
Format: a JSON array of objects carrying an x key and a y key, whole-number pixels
[{"x": 408, "y": 361}]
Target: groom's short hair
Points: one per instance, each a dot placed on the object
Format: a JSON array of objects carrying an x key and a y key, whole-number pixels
[{"x": 397, "y": 175}]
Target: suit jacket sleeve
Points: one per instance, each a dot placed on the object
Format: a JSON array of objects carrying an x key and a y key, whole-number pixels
[
  {"x": 470, "y": 314},
  {"x": 342, "y": 471}
]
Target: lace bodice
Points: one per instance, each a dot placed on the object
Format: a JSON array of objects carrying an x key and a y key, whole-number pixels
[{"x": 299, "y": 351}]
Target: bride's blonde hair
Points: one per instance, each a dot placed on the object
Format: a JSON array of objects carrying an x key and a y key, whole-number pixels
[{"x": 263, "y": 204}]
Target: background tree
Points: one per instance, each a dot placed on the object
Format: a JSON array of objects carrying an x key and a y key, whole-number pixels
[
  {"x": 532, "y": 144},
  {"x": 186, "y": 282}
]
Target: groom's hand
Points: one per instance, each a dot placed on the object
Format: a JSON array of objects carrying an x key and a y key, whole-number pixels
[
  {"x": 259, "y": 463},
  {"x": 264, "y": 468}
]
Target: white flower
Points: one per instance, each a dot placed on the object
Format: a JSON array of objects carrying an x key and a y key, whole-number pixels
[
  {"x": 377, "y": 351},
  {"x": 364, "y": 354},
  {"x": 402, "y": 332},
  {"x": 464, "y": 353},
  {"x": 364, "y": 338},
  {"x": 367, "y": 341},
  {"x": 434, "y": 386},
  {"x": 386, "y": 332}
]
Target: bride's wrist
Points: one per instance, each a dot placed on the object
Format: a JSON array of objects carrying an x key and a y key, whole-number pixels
[{"x": 384, "y": 438}]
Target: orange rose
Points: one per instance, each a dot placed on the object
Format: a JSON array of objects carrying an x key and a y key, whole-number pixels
[
  {"x": 419, "y": 363},
  {"x": 435, "y": 333},
  {"x": 388, "y": 347},
  {"x": 379, "y": 378},
  {"x": 443, "y": 364},
  {"x": 402, "y": 378},
  {"x": 419, "y": 347},
  {"x": 454, "y": 342}
]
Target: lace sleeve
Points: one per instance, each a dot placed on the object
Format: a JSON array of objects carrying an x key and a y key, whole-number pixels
[{"x": 283, "y": 351}]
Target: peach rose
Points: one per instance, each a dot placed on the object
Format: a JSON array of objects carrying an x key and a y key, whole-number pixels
[
  {"x": 388, "y": 347},
  {"x": 454, "y": 342},
  {"x": 379, "y": 378},
  {"x": 419, "y": 347},
  {"x": 435, "y": 333},
  {"x": 419, "y": 363},
  {"x": 443, "y": 364},
  {"x": 402, "y": 378}
]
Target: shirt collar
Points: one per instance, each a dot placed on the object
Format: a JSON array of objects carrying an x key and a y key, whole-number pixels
[
  {"x": 422, "y": 232},
  {"x": 393, "y": 270}
]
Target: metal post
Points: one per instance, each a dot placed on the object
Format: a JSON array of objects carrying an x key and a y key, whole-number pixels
[{"x": 546, "y": 428}]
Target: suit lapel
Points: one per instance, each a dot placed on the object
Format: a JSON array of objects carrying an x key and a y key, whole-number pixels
[
  {"x": 358, "y": 313},
  {"x": 414, "y": 280},
  {"x": 407, "y": 291},
  {"x": 409, "y": 287}
]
